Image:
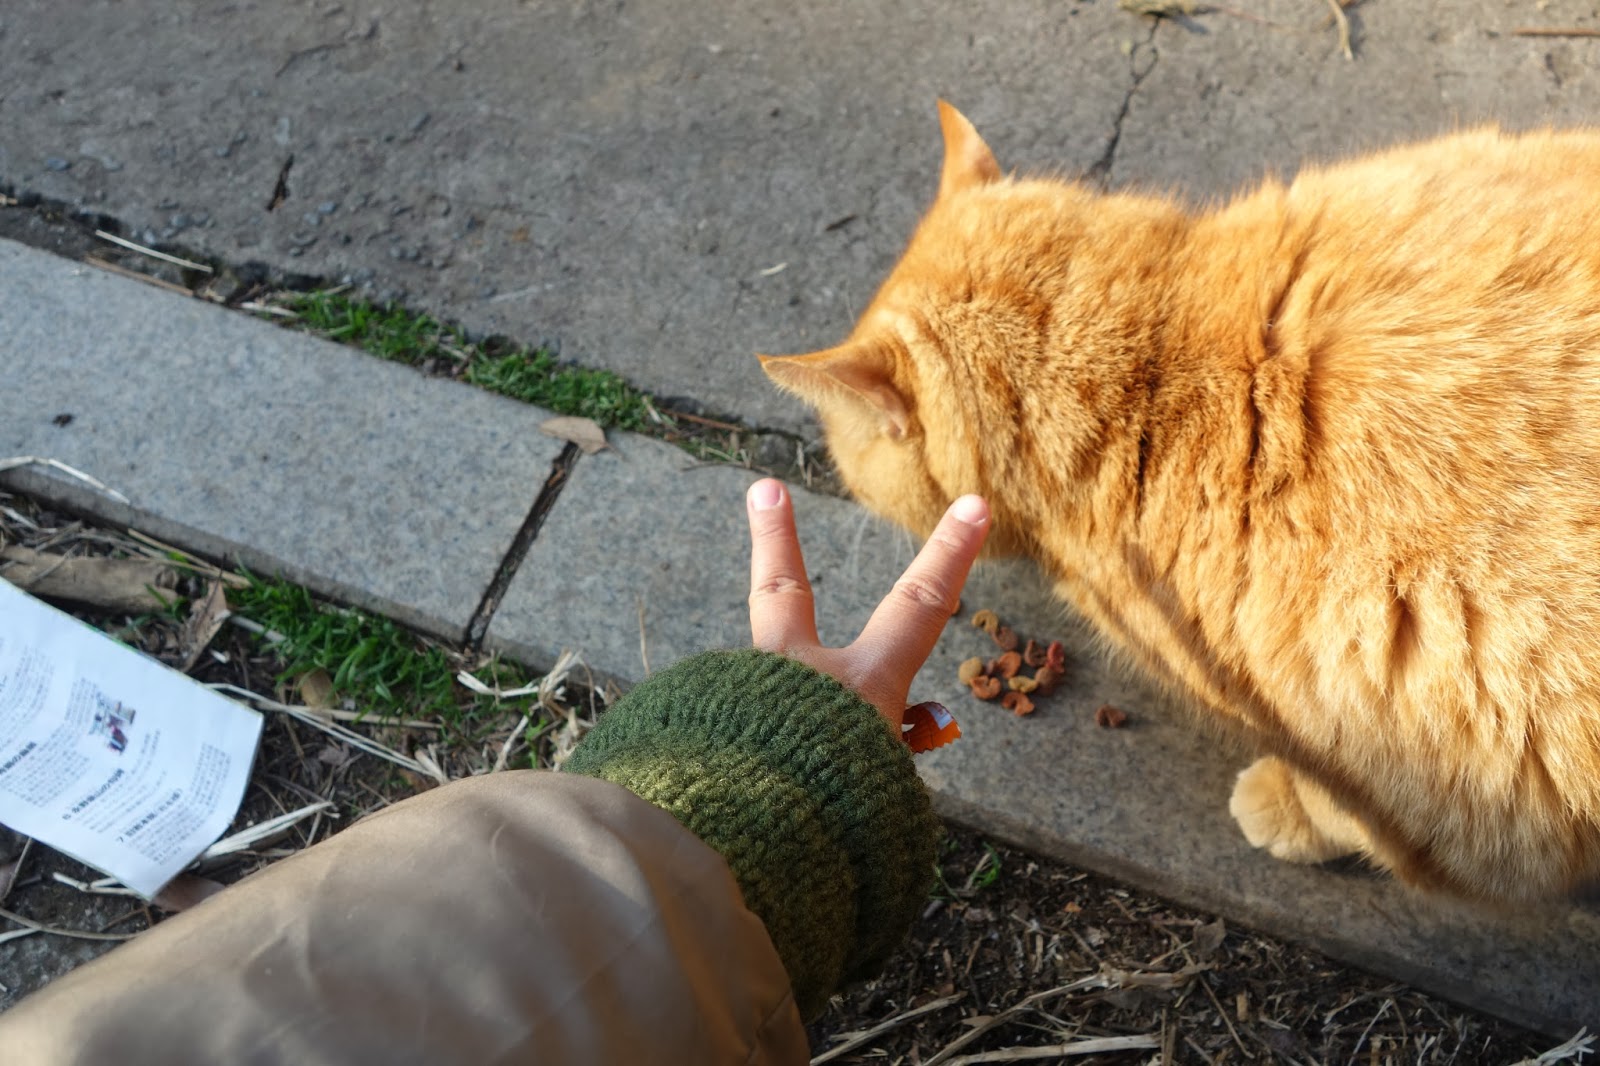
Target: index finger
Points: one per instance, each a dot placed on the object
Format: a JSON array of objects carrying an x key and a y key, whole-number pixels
[{"x": 906, "y": 625}]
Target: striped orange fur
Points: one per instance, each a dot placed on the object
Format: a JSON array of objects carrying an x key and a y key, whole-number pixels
[{"x": 1326, "y": 458}]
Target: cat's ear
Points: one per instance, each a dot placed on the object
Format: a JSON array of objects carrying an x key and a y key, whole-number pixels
[
  {"x": 967, "y": 160},
  {"x": 857, "y": 372}
]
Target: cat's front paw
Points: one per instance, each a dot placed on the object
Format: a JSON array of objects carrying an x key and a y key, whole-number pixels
[{"x": 1292, "y": 818}]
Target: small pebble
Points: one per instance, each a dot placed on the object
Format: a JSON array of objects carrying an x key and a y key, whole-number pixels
[
  {"x": 57, "y": 163},
  {"x": 327, "y": 207}
]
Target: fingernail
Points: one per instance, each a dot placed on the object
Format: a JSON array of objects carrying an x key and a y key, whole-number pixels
[
  {"x": 971, "y": 509},
  {"x": 766, "y": 494}
]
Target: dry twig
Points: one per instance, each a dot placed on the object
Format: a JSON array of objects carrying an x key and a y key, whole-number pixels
[
  {"x": 55, "y": 464},
  {"x": 1092, "y": 1046},
  {"x": 148, "y": 279},
  {"x": 32, "y": 926},
  {"x": 1555, "y": 31},
  {"x": 1342, "y": 20},
  {"x": 188, "y": 264},
  {"x": 1580, "y": 1045},
  {"x": 855, "y": 1040},
  {"x": 424, "y": 763}
]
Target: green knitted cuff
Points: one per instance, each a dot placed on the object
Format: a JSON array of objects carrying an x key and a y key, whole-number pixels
[{"x": 795, "y": 781}]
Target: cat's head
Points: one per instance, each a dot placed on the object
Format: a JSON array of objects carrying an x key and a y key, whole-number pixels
[{"x": 914, "y": 402}]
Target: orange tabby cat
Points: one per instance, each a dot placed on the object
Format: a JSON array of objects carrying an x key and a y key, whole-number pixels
[{"x": 1327, "y": 458}]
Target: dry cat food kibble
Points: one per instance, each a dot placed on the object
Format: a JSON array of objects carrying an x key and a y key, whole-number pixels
[
  {"x": 1002, "y": 676},
  {"x": 1109, "y": 717}
]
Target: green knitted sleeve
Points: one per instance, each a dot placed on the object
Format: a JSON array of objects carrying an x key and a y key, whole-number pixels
[{"x": 795, "y": 781}]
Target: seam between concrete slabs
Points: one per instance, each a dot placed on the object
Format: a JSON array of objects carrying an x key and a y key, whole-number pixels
[{"x": 291, "y": 454}]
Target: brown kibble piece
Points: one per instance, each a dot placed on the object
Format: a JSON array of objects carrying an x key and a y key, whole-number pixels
[
  {"x": 1033, "y": 655},
  {"x": 1006, "y": 638},
  {"x": 1108, "y": 717},
  {"x": 985, "y": 688},
  {"x": 1021, "y": 683},
  {"x": 987, "y": 621},
  {"x": 1055, "y": 657},
  {"x": 1017, "y": 703},
  {"x": 969, "y": 669},
  {"x": 1008, "y": 665},
  {"x": 1047, "y": 680}
]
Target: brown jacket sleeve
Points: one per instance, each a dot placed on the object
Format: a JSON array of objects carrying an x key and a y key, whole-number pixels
[{"x": 417, "y": 936}]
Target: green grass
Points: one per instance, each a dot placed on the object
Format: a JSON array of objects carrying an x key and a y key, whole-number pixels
[
  {"x": 983, "y": 875},
  {"x": 529, "y": 374},
  {"x": 378, "y": 665}
]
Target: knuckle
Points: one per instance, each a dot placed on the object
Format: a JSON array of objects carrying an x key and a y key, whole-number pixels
[
  {"x": 780, "y": 585},
  {"x": 922, "y": 593}
]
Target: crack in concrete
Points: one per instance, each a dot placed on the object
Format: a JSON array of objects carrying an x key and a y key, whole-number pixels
[
  {"x": 560, "y": 471},
  {"x": 1100, "y": 171}
]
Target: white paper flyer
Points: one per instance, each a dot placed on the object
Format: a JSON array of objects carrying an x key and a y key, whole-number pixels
[{"x": 108, "y": 755}]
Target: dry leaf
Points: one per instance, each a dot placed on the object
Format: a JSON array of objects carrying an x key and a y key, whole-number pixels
[
  {"x": 122, "y": 585},
  {"x": 985, "y": 688},
  {"x": 1208, "y": 938},
  {"x": 184, "y": 891},
  {"x": 334, "y": 755},
  {"x": 969, "y": 669},
  {"x": 206, "y": 616},
  {"x": 1017, "y": 703},
  {"x": 584, "y": 432},
  {"x": 1022, "y": 683},
  {"x": 987, "y": 621},
  {"x": 1109, "y": 717},
  {"x": 316, "y": 690}
]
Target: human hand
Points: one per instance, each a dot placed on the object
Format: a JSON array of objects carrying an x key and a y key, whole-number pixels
[{"x": 881, "y": 662}]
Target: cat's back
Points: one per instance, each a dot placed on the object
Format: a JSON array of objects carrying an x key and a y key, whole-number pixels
[
  {"x": 1430, "y": 319},
  {"x": 1439, "y": 304},
  {"x": 1468, "y": 233}
]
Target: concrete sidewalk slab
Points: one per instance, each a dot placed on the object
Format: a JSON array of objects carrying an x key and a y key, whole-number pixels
[
  {"x": 233, "y": 437},
  {"x": 647, "y": 526},
  {"x": 643, "y": 529},
  {"x": 627, "y": 179}
]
